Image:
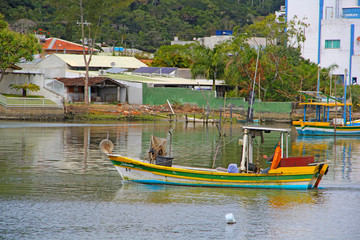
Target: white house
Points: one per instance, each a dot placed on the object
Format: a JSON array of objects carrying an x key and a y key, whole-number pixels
[
  {"x": 333, "y": 36},
  {"x": 72, "y": 65},
  {"x": 212, "y": 41}
]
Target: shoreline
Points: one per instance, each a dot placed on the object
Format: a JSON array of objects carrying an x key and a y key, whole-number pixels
[{"x": 133, "y": 112}]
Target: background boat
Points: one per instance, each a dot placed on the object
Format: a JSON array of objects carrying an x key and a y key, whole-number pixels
[{"x": 321, "y": 125}]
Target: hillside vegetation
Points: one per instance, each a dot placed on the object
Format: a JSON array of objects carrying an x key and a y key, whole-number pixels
[{"x": 142, "y": 24}]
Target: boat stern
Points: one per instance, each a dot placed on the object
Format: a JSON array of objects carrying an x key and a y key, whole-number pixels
[{"x": 322, "y": 170}]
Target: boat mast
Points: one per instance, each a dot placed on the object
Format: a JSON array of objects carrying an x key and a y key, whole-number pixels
[
  {"x": 344, "y": 113},
  {"x": 245, "y": 150},
  {"x": 250, "y": 117}
]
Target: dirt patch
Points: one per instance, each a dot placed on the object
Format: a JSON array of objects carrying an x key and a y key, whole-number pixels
[
  {"x": 150, "y": 112},
  {"x": 129, "y": 109}
]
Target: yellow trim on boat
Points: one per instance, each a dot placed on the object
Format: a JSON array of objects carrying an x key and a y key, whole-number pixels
[
  {"x": 284, "y": 170},
  {"x": 294, "y": 170},
  {"x": 280, "y": 171},
  {"x": 225, "y": 181},
  {"x": 331, "y": 104},
  {"x": 316, "y": 124}
]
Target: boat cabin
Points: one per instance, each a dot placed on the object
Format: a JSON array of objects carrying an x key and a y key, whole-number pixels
[
  {"x": 323, "y": 104},
  {"x": 250, "y": 132}
]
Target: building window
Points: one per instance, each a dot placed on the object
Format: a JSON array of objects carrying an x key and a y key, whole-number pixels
[
  {"x": 332, "y": 43},
  {"x": 354, "y": 80}
]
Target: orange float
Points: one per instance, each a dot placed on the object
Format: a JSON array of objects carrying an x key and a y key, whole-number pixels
[{"x": 277, "y": 158}]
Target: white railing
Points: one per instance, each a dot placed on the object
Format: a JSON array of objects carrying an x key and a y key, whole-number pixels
[
  {"x": 3, "y": 100},
  {"x": 30, "y": 102},
  {"x": 55, "y": 86}
]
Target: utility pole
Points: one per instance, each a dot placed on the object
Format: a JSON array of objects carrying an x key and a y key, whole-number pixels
[
  {"x": 87, "y": 91},
  {"x": 86, "y": 23}
]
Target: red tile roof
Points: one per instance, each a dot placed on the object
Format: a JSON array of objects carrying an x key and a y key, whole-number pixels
[
  {"x": 59, "y": 45},
  {"x": 146, "y": 61}
]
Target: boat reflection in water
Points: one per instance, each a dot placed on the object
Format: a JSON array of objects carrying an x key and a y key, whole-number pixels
[
  {"x": 163, "y": 194},
  {"x": 338, "y": 152}
]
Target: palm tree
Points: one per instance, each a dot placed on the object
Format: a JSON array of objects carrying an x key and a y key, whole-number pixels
[
  {"x": 207, "y": 62},
  {"x": 24, "y": 87}
]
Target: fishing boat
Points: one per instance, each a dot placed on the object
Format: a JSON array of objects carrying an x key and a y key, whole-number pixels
[
  {"x": 322, "y": 125},
  {"x": 284, "y": 173}
]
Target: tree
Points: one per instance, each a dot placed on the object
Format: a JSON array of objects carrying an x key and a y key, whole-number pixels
[
  {"x": 15, "y": 46},
  {"x": 172, "y": 56},
  {"x": 241, "y": 64},
  {"x": 88, "y": 13},
  {"x": 158, "y": 20},
  {"x": 24, "y": 87},
  {"x": 208, "y": 62},
  {"x": 279, "y": 63}
]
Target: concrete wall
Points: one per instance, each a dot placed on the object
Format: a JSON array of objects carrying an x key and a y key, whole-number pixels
[
  {"x": 184, "y": 73},
  {"x": 123, "y": 97},
  {"x": 310, "y": 10},
  {"x": 108, "y": 94},
  {"x": 134, "y": 93},
  {"x": 336, "y": 29},
  {"x": 21, "y": 78},
  {"x": 211, "y": 41},
  {"x": 158, "y": 96},
  {"x": 53, "y": 66},
  {"x": 333, "y": 27},
  {"x": 31, "y": 113}
]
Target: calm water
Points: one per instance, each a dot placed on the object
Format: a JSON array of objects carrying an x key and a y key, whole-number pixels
[{"x": 56, "y": 184}]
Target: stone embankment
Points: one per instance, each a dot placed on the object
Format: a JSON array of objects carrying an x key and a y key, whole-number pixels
[{"x": 31, "y": 113}]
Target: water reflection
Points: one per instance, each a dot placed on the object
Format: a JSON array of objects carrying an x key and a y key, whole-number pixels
[
  {"x": 339, "y": 152},
  {"x": 57, "y": 183},
  {"x": 159, "y": 194},
  {"x": 74, "y": 148}
]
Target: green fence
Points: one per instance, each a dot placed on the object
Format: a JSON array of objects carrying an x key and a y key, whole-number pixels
[{"x": 159, "y": 95}]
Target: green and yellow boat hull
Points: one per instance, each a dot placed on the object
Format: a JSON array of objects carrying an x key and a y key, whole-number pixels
[{"x": 303, "y": 177}]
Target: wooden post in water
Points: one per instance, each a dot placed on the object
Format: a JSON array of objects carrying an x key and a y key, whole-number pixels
[
  {"x": 207, "y": 114},
  {"x": 220, "y": 120},
  {"x": 335, "y": 122},
  {"x": 216, "y": 152},
  {"x": 231, "y": 120},
  {"x": 209, "y": 107},
  {"x": 259, "y": 99}
]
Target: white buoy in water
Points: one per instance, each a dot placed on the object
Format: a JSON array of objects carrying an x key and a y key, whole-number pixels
[{"x": 230, "y": 218}]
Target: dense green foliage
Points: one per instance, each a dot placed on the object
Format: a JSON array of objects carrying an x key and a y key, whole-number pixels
[
  {"x": 143, "y": 24},
  {"x": 281, "y": 71},
  {"x": 276, "y": 70},
  {"x": 277, "y": 67},
  {"x": 173, "y": 56},
  {"x": 15, "y": 46},
  {"x": 208, "y": 62}
]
